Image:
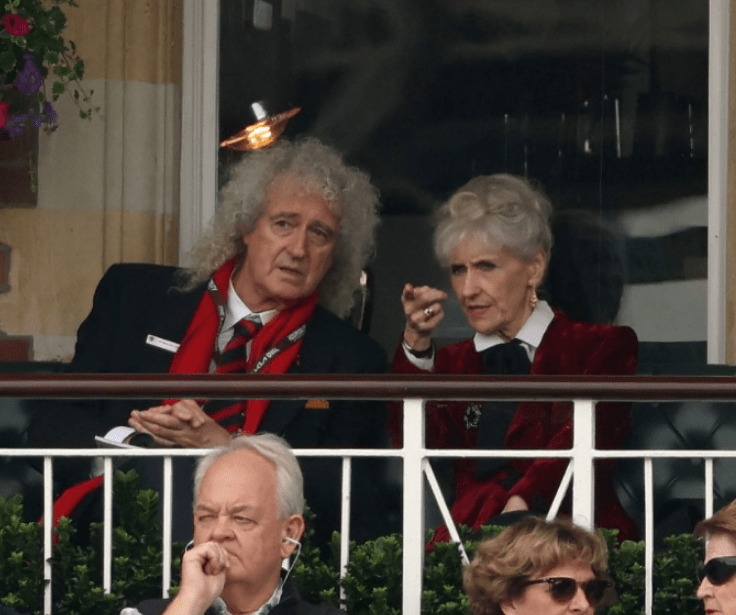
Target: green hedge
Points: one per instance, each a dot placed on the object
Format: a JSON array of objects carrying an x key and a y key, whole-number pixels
[{"x": 372, "y": 585}]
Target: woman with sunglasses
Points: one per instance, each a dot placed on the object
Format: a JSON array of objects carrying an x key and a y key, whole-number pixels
[
  {"x": 537, "y": 567},
  {"x": 718, "y": 584}
]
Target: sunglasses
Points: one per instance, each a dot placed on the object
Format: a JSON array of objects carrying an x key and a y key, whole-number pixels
[
  {"x": 562, "y": 589},
  {"x": 717, "y": 570}
]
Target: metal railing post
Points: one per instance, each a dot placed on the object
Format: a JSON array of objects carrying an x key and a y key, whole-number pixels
[
  {"x": 347, "y": 474},
  {"x": 107, "y": 526},
  {"x": 648, "y": 535},
  {"x": 583, "y": 442},
  {"x": 168, "y": 511},
  {"x": 48, "y": 528},
  {"x": 413, "y": 511}
]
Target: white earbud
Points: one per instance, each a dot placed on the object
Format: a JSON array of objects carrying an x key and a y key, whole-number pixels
[{"x": 290, "y": 539}]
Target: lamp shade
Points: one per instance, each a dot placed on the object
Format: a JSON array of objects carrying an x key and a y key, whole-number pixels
[{"x": 264, "y": 128}]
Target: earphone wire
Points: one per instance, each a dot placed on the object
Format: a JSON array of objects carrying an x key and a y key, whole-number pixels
[{"x": 292, "y": 558}]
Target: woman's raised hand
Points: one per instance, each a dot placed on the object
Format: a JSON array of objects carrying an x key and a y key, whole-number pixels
[{"x": 423, "y": 311}]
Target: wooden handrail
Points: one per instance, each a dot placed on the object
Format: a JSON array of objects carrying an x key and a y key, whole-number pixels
[{"x": 384, "y": 386}]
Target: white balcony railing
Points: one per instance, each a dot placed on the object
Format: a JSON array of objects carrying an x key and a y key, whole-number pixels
[{"x": 413, "y": 391}]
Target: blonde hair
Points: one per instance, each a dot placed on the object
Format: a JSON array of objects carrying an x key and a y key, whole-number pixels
[
  {"x": 723, "y": 522},
  {"x": 531, "y": 546},
  {"x": 321, "y": 171},
  {"x": 503, "y": 210}
]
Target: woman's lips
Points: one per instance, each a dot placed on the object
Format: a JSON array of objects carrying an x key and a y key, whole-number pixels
[{"x": 476, "y": 310}]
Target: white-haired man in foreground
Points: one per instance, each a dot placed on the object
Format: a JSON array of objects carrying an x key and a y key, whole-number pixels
[{"x": 248, "y": 519}]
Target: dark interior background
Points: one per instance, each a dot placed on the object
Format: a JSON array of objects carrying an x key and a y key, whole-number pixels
[{"x": 603, "y": 103}]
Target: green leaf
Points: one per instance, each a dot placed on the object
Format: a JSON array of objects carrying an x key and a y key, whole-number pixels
[{"x": 7, "y": 61}]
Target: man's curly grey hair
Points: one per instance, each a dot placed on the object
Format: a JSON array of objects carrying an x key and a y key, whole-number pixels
[{"x": 347, "y": 190}]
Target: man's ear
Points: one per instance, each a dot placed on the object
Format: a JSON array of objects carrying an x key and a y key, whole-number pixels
[{"x": 293, "y": 528}]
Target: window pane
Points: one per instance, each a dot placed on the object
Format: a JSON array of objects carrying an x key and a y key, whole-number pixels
[{"x": 603, "y": 103}]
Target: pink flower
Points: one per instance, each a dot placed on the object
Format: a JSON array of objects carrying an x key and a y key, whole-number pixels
[
  {"x": 15, "y": 24},
  {"x": 3, "y": 113}
]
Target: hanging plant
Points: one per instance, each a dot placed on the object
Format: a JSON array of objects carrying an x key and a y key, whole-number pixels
[{"x": 34, "y": 57}]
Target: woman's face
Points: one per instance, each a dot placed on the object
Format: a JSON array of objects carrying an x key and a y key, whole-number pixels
[
  {"x": 537, "y": 600},
  {"x": 493, "y": 286},
  {"x": 721, "y": 598}
]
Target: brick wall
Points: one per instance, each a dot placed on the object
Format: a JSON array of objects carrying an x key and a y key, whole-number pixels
[
  {"x": 18, "y": 165},
  {"x": 18, "y": 168}
]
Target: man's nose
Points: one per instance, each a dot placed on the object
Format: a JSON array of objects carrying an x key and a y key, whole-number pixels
[
  {"x": 222, "y": 529},
  {"x": 298, "y": 243}
]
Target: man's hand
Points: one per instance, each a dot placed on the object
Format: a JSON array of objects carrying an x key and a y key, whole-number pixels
[
  {"x": 423, "y": 311},
  {"x": 203, "y": 570},
  {"x": 183, "y": 424}
]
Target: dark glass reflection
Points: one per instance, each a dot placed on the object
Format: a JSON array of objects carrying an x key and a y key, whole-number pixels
[{"x": 604, "y": 103}]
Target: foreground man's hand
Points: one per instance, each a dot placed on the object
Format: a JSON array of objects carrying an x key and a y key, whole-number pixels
[{"x": 202, "y": 579}]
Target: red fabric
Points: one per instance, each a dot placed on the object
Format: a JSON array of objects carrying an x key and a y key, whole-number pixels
[
  {"x": 4, "y": 106},
  {"x": 568, "y": 348},
  {"x": 68, "y": 501},
  {"x": 197, "y": 348}
]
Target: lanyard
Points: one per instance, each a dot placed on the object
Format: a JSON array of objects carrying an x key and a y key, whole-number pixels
[{"x": 272, "y": 352}]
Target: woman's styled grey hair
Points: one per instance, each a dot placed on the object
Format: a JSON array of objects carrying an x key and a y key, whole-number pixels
[
  {"x": 289, "y": 480},
  {"x": 530, "y": 547},
  {"x": 321, "y": 171},
  {"x": 502, "y": 210}
]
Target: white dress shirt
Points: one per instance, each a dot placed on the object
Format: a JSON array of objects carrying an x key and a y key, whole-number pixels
[
  {"x": 235, "y": 311},
  {"x": 530, "y": 335}
]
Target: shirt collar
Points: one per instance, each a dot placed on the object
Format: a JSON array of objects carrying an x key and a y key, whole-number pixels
[
  {"x": 219, "y": 607},
  {"x": 236, "y": 310},
  {"x": 272, "y": 601},
  {"x": 530, "y": 334}
]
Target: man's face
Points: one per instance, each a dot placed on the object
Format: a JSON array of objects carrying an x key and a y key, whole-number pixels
[
  {"x": 237, "y": 508},
  {"x": 290, "y": 249}
]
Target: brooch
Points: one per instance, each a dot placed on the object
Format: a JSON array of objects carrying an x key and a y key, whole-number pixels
[{"x": 472, "y": 416}]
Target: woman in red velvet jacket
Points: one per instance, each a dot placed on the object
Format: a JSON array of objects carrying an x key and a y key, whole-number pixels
[{"x": 494, "y": 237}]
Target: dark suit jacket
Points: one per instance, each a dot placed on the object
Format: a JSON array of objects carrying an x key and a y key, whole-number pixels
[
  {"x": 290, "y": 604},
  {"x": 567, "y": 348},
  {"x": 135, "y": 300}
]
